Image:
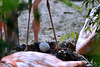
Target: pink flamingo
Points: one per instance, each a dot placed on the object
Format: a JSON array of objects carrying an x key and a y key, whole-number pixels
[{"x": 36, "y": 59}]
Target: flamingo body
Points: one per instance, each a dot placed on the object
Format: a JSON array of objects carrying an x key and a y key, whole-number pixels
[{"x": 36, "y": 59}]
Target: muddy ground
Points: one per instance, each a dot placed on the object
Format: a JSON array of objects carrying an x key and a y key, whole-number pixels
[{"x": 64, "y": 17}]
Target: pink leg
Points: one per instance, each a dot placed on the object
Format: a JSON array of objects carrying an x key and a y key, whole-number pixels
[
  {"x": 36, "y": 29},
  {"x": 30, "y": 1},
  {"x": 1, "y": 29},
  {"x": 36, "y": 21}
]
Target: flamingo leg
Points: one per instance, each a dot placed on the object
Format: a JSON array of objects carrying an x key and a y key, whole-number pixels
[
  {"x": 36, "y": 20},
  {"x": 30, "y": 5},
  {"x": 36, "y": 29},
  {"x": 1, "y": 29},
  {"x": 48, "y": 6}
]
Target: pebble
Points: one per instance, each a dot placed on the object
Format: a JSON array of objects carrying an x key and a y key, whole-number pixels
[{"x": 44, "y": 47}]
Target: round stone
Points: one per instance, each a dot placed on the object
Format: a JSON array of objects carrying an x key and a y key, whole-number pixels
[{"x": 44, "y": 46}]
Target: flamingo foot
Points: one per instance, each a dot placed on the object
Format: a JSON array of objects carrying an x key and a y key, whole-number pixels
[{"x": 58, "y": 48}]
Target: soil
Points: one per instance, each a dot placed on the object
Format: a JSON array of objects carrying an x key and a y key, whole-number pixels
[{"x": 66, "y": 53}]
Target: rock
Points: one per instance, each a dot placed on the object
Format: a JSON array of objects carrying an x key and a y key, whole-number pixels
[{"x": 44, "y": 47}]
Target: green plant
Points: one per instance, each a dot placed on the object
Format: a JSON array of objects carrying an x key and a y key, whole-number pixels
[
  {"x": 61, "y": 40},
  {"x": 69, "y": 3},
  {"x": 88, "y": 5},
  {"x": 3, "y": 48},
  {"x": 72, "y": 35},
  {"x": 8, "y": 21},
  {"x": 94, "y": 19}
]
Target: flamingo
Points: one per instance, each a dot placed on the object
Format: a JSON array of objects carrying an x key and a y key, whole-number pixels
[{"x": 26, "y": 59}]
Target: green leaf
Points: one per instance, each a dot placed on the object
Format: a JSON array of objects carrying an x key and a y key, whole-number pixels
[
  {"x": 98, "y": 0},
  {"x": 67, "y": 2},
  {"x": 77, "y": 7},
  {"x": 88, "y": 28},
  {"x": 3, "y": 45},
  {"x": 83, "y": 3},
  {"x": 62, "y": 38},
  {"x": 80, "y": 10},
  {"x": 9, "y": 4},
  {"x": 98, "y": 37},
  {"x": 77, "y": 35},
  {"x": 86, "y": 5},
  {"x": 95, "y": 53},
  {"x": 72, "y": 35}
]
